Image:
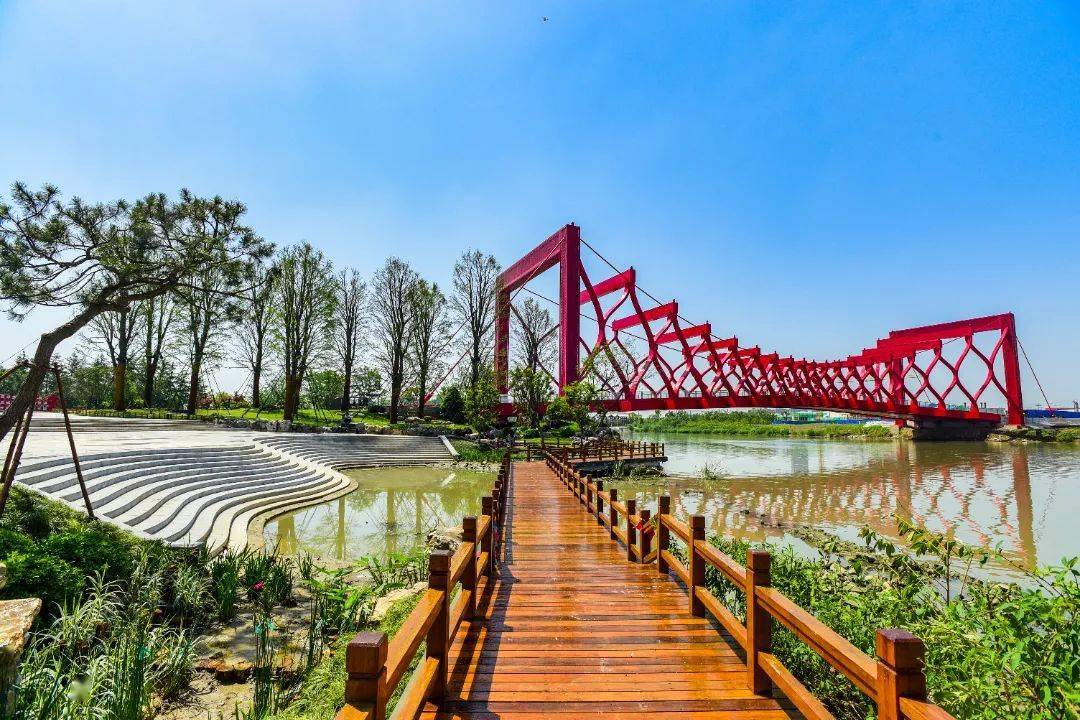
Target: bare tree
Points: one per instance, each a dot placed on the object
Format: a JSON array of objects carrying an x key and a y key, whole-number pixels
[
  {"x": 351, "y": 292},
  {"x": 427, "y": 336},
  {"x": 391, "y": 288},
  {"x": 534, "y": 336},
  {"x": 93, "y": 258},
  {"x": 475, "y": 279},
  {"x": 305, "y": 317},
  {"x": 205, "y": 313},
  {"x": 115, "y": 331},
  {"x": 159, "y": 314},
  {"x": 255, "y": 325}
]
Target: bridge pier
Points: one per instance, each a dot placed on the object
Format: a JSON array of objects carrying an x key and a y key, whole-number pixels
[{"x": 940, "y": 430}]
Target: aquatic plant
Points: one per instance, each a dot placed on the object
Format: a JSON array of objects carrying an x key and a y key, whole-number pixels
[
  {"x": 104, "y": 656},
  {"x": 395, "y": 570},
  {"x": 225, "y": 581}
]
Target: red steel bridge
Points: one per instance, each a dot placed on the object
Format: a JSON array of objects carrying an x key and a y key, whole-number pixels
[{"x": 648, "y": 357}]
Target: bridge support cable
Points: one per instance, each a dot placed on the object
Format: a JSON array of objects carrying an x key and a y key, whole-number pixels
[{"x": 660, "y": 360}]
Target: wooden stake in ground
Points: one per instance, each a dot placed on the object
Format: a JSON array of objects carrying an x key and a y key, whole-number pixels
[
  {"x": 71, "y": 442},
  {"x": 18, "y": 441}
]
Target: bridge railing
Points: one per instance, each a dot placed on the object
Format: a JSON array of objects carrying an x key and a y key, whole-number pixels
[
  {"x": 376, "y": 666},
  {"x": 601, "y": 451},
  {"x": 894, "y": 680}
]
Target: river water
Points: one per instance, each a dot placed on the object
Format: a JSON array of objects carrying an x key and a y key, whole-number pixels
[
  {"x": 1024, "y": 499},
  {"x": 392, "y": 510}
]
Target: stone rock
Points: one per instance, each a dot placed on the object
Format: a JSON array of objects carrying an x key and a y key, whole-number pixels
[
  {"x": 383, "y": 604},
  {"x": 444, "y": 538},
  {"x": 16, "y": 617}
]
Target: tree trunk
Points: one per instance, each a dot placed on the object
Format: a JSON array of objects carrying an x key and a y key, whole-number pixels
[
  {"x": 148, "y": 384},
  {"x": 256, "y": 374},
  {"x": 395, "y": 397},
  {"x": 423, "y": 390},
  {"x": 42, "y": 358},
  {"x": 119, "y": 386},
  {"x": 346, "y": 393},
  {"x": 193, "y": 384},
  {"x": 288, "y": 409},
  {"x": 120, "y": 368},
  {"x": 474, "y": 365}
]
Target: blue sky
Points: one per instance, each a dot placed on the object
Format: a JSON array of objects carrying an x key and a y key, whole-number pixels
[{"x": 806, "y": 176}]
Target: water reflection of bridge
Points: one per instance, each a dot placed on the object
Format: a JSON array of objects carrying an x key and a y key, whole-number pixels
[{"x": 982, "y": 498}]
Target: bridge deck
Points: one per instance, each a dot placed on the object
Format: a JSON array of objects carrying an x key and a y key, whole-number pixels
[{"x": 572, "y": 629}]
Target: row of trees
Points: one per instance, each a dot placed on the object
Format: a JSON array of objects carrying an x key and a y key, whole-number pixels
[{"x": 183, "y": 286}]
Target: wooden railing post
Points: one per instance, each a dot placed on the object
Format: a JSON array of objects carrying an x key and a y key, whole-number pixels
[
  {"x": 644, "y": 535},
  {"x": 468, "y": 578},
  {"x": 486, "y": 508},
  {"x": 599, "y": 502},
  {"x": 613, "y": 514},
  {"x": 758, "y": 620},
  {"x": 438, "y": 645},
  {"x": 696, "y": 564},
  {"x": 588, "y": 493},
  {"x": 631, "y": 533},
  {"x": 662, "y": 537},
  {"x": 365, "y": 663},
  {"x": 901, "y": 659}
]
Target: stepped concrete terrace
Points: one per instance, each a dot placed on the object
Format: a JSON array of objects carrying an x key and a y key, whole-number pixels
[{"x": 189, "y": 483}]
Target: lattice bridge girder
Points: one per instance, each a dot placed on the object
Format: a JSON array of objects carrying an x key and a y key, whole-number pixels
[{"x": 651, "y": 361}]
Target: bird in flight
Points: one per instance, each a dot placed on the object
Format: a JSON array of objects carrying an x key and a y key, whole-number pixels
[{"x": 543, "y": 18}]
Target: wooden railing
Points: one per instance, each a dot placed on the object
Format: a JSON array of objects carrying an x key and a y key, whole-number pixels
[
  {"x": 376, "y": 666},
  {"x": 895, "y": 680},
  {"x": 599, "y": 451}
]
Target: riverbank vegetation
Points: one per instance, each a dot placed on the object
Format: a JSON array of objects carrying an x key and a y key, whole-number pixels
[
  {"x": 123, "y": 620},
  {"x": 1065, "y": 435},
  {"x": 994, "y": 649},
  {"x": 750, "y": 423}
]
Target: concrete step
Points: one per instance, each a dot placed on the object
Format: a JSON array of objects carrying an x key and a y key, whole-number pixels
[{"x": 192, "y": 494}]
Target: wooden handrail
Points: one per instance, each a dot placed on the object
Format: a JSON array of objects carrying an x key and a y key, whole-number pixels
[
  {"x": 895, "y": 681},
  {"x": 731, "y": 570},
  {"x": 603, "y": 450},
  {"x": 376, "y": 665},
  {"x": 679, "y": 528}
]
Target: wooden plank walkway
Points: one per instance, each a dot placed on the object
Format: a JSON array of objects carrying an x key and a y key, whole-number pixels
[{"x": 571, "y": 629}]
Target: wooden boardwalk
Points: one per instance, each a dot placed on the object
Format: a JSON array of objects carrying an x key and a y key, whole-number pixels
[
  {"x": 553, "y": 618},
  {"x": 569, "y": 627}
]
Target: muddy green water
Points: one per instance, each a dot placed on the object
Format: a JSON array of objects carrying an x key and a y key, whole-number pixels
[
  {"x": 393, "y": 510},
  {"x": 1024, "y": 499}
]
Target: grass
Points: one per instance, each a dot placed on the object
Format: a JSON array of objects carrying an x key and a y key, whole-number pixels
[
  {"x": 323, "y": 690},
  {"x": 752, "y": 423},
  {"x": 305, "y": 416}
]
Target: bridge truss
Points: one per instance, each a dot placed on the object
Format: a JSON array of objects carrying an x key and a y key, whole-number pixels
[{"x": 648, "y": 357}]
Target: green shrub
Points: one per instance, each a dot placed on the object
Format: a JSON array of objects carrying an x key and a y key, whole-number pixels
[
  {"x": 31, "y": 514},
  {"x": 97, "y": 548},
  {"x": 38, "y": 574},
  {"x": 993, "y": 649},
  {"x": 12, "y": 541}
]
